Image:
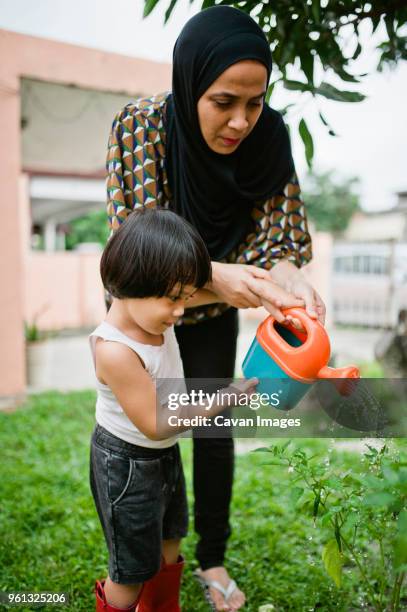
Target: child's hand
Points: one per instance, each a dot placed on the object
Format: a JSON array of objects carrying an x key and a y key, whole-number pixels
[{"x": 244, "y": 387}]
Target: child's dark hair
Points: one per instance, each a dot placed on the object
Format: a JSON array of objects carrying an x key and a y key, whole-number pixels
[{"x": 152, "y": 251}]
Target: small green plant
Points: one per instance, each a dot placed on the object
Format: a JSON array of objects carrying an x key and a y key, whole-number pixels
[
  {"x": 32, "y": 332},
  {"x": 363, "y": 514}
]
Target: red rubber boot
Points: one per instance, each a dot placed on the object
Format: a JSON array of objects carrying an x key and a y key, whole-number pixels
[
  {"x": 161, "y": 593},
  {"x": 103, "y": 606}
]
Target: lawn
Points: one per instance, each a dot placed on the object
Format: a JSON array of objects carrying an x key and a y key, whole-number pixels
[{"x": 51, "y": 539}]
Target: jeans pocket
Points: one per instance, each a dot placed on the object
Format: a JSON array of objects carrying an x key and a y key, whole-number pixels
[{"x": 120, "y": 472}]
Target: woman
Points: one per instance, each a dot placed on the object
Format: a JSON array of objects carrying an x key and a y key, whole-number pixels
[{"x": 214, "y": 152}]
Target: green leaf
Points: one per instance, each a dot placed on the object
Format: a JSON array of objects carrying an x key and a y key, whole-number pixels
[
  {"x": 379, "y": 499},
  {"x": 269, "y": 92},
  {"x": 333, "y": 483},
  {"x": 308, "y": 142},
  {"x": 169, "y": 10},
  {"x": 316, "y": 504},
  {"x": 307, "y": 66},
  {"x": 372, "y": 449},
  {"x": 149, "y": 6},
  {"x": 389, "y": 22},
  {"x": 296, "y": 85},
  {"x": 326, "y": 519},
  {"x": 400, "y": 544},
  {"x": 332, "y": 93},
  {"x": 296, "y": 493},
  {"x": 345, "y": 76},
  {"x": 333, "y": 561},
  {"x": 375, "y": 21},
  {"x": 373, "y": 482},
  {"x": 390, "y": 475},
  {"x": 338, "y": 534},
  {"x": 316, "y": 11},
  {"x": 283, "y": 111},
  {"x": 324, "y": 121},
  {"x": 351, "y": 521}
]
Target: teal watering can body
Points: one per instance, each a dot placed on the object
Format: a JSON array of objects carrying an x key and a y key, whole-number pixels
[{"x": 288, "y": 362}]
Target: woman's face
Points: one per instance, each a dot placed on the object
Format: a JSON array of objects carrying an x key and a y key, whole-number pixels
[{"x": 231, "y": 106}]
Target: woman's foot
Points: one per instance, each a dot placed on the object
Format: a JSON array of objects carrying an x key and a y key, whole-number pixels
[{"x": 220, "y": 575}]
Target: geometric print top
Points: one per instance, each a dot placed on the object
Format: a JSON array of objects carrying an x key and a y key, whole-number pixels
[{"x": 136, "y": 176}]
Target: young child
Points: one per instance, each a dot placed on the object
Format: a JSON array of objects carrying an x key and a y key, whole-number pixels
[{"x": 153, "y": 266}]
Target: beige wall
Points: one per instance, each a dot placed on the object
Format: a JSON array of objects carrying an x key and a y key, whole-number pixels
[
  {"x": 63, "y": 290},
  {"x": 51, "y": 61}
]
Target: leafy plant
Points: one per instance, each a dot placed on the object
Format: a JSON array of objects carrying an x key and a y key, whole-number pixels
[
  {"x": 32, "y": 332},
  {"x": 359, "y": 513},
  {"x": 92, "y": 227},
  {"x": 316, "y": 34},
  {"x": 330, "y": 202}
]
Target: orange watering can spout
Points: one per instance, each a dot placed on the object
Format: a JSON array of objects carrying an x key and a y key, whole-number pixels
[{"x": 345, "y": 379}]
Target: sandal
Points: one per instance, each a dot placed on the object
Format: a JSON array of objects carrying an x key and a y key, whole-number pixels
[{"x": 207, "y": 584}]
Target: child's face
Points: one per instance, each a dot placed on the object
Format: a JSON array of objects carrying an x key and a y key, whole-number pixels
[{"x": 156, "y": 314}]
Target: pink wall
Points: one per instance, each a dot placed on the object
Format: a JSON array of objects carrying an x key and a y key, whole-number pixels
[
  {"x": 66, "y": 290},
  {"x": 28, "y": 56}
]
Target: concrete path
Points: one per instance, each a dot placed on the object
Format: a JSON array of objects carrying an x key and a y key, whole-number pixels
[{"x": 71, "y": 364}]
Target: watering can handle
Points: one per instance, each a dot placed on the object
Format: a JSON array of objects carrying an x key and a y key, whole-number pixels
[{"x": 309, "y": 325}]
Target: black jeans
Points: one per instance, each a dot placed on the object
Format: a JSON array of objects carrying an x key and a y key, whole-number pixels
[
  {"x": 208, "y": 350},
  {"x": 140, "y": 498}
]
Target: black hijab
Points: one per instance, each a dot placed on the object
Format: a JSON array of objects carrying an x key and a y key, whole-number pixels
[{"x": 216, "y": 192}]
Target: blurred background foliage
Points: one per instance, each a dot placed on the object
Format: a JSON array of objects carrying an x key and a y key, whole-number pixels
[
  {"x": 92, "y": 227},
  {"x": 321, "y": 39},
  {"x": 330, "y": 202}
]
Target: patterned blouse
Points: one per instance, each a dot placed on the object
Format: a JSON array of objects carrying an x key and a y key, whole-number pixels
[{"x": 136, "y": 176}]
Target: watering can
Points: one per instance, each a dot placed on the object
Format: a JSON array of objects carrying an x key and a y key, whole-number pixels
[{"x": 288, "y": 361}]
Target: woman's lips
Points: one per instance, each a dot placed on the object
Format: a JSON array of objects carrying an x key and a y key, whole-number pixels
[{"x": 231, "y": 142}]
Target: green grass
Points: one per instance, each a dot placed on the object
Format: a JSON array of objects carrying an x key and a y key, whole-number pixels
[{"x": 51, "y": 539}]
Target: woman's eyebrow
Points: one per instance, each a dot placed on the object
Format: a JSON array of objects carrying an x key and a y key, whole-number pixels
[{"x": 226, "y": 94}]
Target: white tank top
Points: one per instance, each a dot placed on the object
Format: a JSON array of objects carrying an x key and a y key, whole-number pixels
[{"x": 164, "y": 365}]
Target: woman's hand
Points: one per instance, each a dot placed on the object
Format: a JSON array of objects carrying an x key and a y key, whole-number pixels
[
  {"x": 245, "y": 286},
  {"x": 284, "y": 286},
  {"x": 314, "y": 305},
  {"x": 292, "y": 280}
]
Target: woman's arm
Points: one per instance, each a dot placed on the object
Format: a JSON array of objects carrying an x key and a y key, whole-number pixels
[
  {"x": 245, "y": 286},
  {"x": 279, "y": 245},
  {"x": 120, "y": 195},
  {"x": 201, "y": 297}
]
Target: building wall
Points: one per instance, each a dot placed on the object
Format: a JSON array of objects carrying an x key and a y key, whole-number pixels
[
  {"x": 63, "y": 290},
  {"x": 55, "y": 62}
]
